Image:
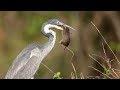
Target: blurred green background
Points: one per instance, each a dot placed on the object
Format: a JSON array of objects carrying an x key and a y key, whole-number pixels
[{"x": 20, "y": 28}]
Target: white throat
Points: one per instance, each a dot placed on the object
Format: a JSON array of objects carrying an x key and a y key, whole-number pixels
[{"x": 47, "y": 28}]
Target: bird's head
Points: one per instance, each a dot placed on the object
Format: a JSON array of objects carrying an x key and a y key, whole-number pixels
[{"x": 55, "y": 23}]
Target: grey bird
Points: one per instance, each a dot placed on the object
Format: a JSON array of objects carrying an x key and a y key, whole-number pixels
[{"x": 28, "y": 61}]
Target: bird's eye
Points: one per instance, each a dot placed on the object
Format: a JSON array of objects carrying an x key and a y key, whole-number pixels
[{"x": 58, "y": 23}]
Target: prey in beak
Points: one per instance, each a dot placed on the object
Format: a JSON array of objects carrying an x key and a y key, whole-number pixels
[
  {"x": 65, "y": 35},
  {"x": 62, "y": 25}
]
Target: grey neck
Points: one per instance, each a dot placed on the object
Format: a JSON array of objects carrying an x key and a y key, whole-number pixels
[{"x": 51, "y": 40}]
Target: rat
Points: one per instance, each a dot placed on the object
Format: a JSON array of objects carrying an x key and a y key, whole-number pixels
[{"x": 65, "y": 37}]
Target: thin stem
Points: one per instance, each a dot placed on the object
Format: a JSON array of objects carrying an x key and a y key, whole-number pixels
[
  {"x": 115, "y": 73},
  {"x": 71, "y": 62},
  {"x": 99, "y": 56},
  {"x": 105, "y": 42},
  {"x": 99, "y": 72},
  {"x": 74, "y": 70},
  {"x": 47, "y": 68},
  {"x": 71, "y": 52},
  {"x": 81, "y": 75},
  {"x": 104, "y": 51},
  {"x": 97, "y": 61}
]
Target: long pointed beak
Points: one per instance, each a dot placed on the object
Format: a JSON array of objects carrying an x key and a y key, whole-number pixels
[{"x": 64, "y": 25}]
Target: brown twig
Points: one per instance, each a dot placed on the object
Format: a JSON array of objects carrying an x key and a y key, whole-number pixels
[
  {"x": 48, "y": 68},
  {"x": 105, "y": 42}
]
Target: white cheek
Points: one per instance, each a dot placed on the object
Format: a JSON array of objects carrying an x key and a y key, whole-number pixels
[{"x": 47, "y": 27}]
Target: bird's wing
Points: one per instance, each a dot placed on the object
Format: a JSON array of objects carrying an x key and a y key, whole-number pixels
[
  {"x": 25, "y": 62},
  {"x": 28, "y": 71}
]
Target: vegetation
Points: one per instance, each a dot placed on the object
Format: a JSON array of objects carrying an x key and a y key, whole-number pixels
[{"x": 93, "y": 52}]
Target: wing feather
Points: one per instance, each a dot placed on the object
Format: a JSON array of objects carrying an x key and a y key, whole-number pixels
[{"x": 22, "y": 66}]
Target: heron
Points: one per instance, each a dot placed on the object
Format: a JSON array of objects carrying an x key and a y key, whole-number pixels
[{"x": 28, "y": 61}]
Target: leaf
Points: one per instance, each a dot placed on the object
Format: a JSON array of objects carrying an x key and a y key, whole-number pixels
[{"x": 57, "y": 75}]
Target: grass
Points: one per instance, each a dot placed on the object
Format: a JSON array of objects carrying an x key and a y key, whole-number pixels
[
  {"x": 106, "y": 42},
  {"x": 108, "y": 71}
]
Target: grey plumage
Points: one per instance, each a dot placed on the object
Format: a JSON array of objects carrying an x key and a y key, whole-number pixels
[{"x": 27, "y": 62}]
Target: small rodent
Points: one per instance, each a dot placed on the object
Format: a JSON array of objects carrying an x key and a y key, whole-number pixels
[{"x": 65, "y": 37}]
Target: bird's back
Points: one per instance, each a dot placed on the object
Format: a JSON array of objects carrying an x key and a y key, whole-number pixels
[{"x": 26, "y": 63}]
